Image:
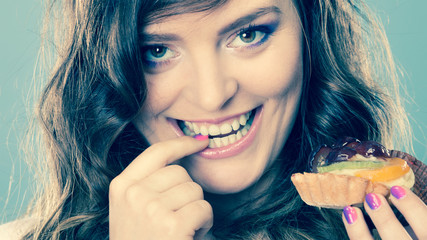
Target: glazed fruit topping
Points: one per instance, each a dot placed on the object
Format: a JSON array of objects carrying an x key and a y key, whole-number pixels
[
  {"x": 344, "y": 149},
  {"x": 351, "y": 165},
  {"x": 396, "y": 168}
]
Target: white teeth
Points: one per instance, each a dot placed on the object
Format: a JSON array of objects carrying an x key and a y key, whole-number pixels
[
  {"x": 226, "y": 128},
  {"x": 232, "y": 138},
  {"x": 218, "y": 142},
  {"x": 244, "y": 131},
  {"x": 242, "y": 120},
  {"x": 235, "y": 125},
  {"x": 192, "y": 129},
  {"x": 196, "y": 129},
  {"x": 189, "y": 125},
  {"x": 214, "y": 130},
  {"x": 211, "y": 143},
  {"x": 227, "y": 140},
  {"x": 239, "y": 135},
  {"x": 204, "y": 130},
  {"x": 224, "y": 141}
]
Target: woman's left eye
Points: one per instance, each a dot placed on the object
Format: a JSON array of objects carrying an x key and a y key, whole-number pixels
[
  {"x": 156, "y": 57},
  {"x": 249, "y": 38}
]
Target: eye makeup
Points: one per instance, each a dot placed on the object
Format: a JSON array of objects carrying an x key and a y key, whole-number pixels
[{"x": 261, "y": 33}]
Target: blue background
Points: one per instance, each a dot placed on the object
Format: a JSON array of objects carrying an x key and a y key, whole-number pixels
[{"x": 20, "y": 39}]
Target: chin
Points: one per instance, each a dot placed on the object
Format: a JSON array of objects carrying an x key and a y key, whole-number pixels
[
  {"x": 224, "y": 177},
  {"x": 226, "y": 187}
]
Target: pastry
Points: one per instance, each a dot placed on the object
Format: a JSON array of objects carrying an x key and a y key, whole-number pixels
[{"x": 345, "y": 172}]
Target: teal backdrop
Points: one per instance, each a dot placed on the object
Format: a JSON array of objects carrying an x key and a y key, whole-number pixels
[{"x": 19, "y": 45}]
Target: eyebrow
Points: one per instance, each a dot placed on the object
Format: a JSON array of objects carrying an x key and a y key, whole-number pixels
[
  {"x": 153, "y": 37},
  {"x": 249, "y": 18}
]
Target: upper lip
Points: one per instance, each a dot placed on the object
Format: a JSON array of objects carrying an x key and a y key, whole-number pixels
[{"x": 217, "y": 120}]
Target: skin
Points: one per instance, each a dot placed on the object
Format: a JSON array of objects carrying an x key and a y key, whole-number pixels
[{"x": 207, "y": 76}]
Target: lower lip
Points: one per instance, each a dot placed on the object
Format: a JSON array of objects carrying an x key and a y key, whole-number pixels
[{"x": 237, "y": 147}]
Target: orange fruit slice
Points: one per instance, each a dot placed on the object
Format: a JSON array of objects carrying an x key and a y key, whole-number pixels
[{"x": 396, "y": 168}]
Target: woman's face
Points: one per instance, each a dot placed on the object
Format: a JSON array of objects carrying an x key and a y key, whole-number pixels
[{"x": 235, "y": 74}]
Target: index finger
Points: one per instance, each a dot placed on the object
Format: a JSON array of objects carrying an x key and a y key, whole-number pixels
[{"x": 161, "y": 154}]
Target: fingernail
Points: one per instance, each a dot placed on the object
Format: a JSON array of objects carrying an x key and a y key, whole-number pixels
[
  {"x": 201, "y": 137},
  {"x": 350, "y": 214},
  {"x": 398, "y": 192},
  {"x": 374, "y": 202}
]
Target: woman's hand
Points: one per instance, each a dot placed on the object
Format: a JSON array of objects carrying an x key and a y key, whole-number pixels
[
  {"x": 152, "y": 199},
  {"x": 412, "y": 208}
]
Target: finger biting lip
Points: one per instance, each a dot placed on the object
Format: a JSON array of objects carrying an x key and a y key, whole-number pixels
[{"x": 228, "y": 136}]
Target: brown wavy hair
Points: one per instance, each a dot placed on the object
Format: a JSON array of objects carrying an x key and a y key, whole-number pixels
[{"x": 96, "y": 89}]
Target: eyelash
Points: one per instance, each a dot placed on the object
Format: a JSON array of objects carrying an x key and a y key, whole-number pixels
[{"x": 266, "y": 30}]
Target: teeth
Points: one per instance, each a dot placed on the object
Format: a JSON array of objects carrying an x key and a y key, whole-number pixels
[
  {"x": 235, "y": 125},
  {"x": 204, "y": 130},
  {"x": 226, "y": 128},
  {"x": 227, "y": 140},
  {"x": 187, "y": 132},
  {"x": 211, "y": 143},
  {"x": 192, "y": 129},
  {"x": 232, "y": 138},
  {"x": 239, "y": 135},
  {"x": 214, "y": 130},
  {"x": 242, "y": 120},
  {"x": 218, "y": 142},
  {"x": 224, "y": 141},
  {"x": 189, "y": 125},
  {"x": 196, "y": 129},
  {"x": 244, "y": 131}
]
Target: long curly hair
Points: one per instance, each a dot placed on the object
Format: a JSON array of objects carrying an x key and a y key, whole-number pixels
[{"x": 97, "y": 88}]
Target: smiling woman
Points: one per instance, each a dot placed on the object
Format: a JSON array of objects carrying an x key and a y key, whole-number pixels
[
  {"x": 216, "y": 76},
  {"x": 186, "y": 119}
]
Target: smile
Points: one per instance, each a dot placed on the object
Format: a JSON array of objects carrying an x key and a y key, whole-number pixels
[
  {"x": 220, "y": 135},
  {"x": 227, "y": 137}
]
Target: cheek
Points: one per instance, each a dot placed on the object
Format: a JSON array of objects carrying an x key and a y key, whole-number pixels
[
  {"x": 163, "y": 90},
  {"x": 272, "y": 73}
]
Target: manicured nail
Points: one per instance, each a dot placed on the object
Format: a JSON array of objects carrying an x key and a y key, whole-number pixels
[
  {"x": 350, "y": 214},
  {"x": 201, "y": 137},
  {"x": 398, "y": 192},
  {"x": 374, "y": 202}
]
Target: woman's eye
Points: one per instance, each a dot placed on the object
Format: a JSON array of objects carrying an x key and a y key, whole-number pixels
[
  {"x": 249, "y": 38},
  {"x": 158, "y": 55}
]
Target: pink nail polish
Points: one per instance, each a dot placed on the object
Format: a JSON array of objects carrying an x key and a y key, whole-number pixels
[
  {"x": 350, "y": 214},
  {"x": 397, "y": 192},
  {"x": 201, "y": 137},
  {"x": 374, "y": 202}
]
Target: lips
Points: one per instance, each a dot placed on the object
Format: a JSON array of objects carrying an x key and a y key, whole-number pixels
[{"x": 226, "y": 137}]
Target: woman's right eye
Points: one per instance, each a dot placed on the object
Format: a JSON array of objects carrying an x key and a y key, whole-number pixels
[{"x": 156, "y": 56}]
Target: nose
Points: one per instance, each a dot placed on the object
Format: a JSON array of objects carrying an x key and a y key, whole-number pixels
[{"x": 211, "y": 86}]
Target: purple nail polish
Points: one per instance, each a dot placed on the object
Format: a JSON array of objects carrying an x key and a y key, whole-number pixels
[
  {"x": 374, "y": 202},
  {"x": 397, "y": 192},
  {"x": 201, "y": 137},
  {"x": 350, "y": 214}
]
